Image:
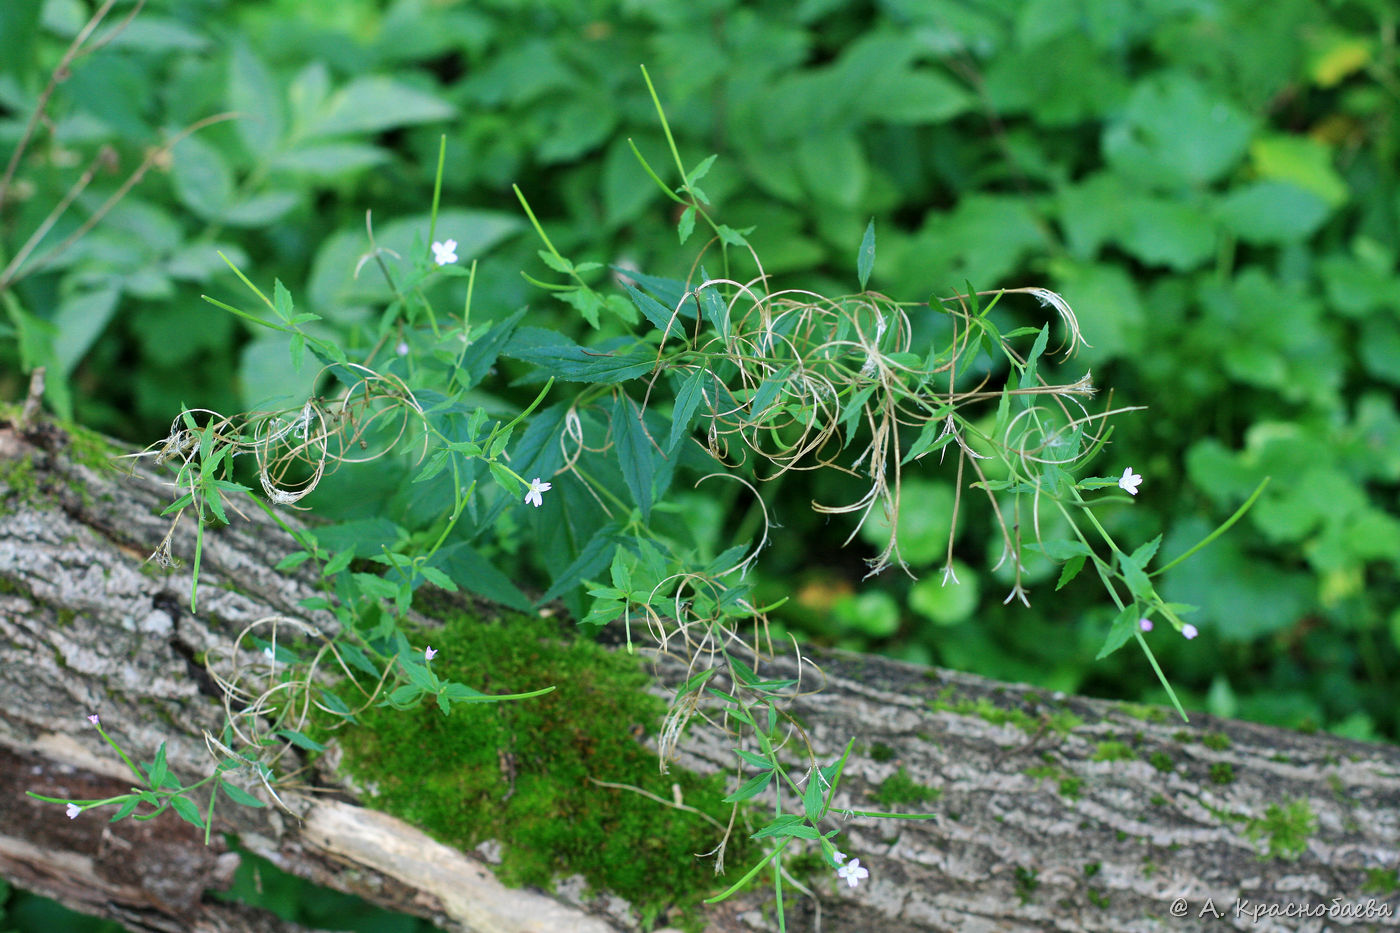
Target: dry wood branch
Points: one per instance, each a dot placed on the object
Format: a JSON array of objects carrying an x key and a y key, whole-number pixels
[{"x": 1038, "y": 827}]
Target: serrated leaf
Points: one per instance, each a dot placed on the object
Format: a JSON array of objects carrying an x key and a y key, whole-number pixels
[
  {"x": 1135, "y": 577},
  {"x": 467, "y": 568},
  {"x": 1124, "y": 625},
  {"x": 239, "y": 796},
  {"x": 591, "y": 558},
  {"x": 557, "y": 263},
  {"x": 734, "y": 237},
  {"x": 686, "y": 226},
  {"x": 1143, "y": 555},
  {"x": 156, "y": 772},
  {"x": 1070, "y": 570},
  {"x": 481, "y": 355},
  {"x": 787, "y": 825},
  {"x": 691, "y": 393},
  {"x": 636, "y": 454},
  {"x": 813, "y": 798},
  {"x": 865, "y": 259},
  {"x": 749, "y": 758},
  {"x": 751, "y": 788},
  {"x": 654, "y": 311},
  {"x": 701, "y": 170},
  {"x": 282, "y": 302},
  {"x": 187, "y": 810},
  {"x": 437, "y": 578},
  {"x": 556, "y": 355},
  {"x": 588, "y": 302}
]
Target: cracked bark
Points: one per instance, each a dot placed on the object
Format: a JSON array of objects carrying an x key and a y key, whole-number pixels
[{"x": 1032, "y": 833}]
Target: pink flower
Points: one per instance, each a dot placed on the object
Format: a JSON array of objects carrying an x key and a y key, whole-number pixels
[
  {"x": 852, "y": 873},
  {"x": 73, "y": 811},
  {"x": 1145, "y": 624},
  {"x": 1189, "y": 631},
  {"x": 93, "y": 719},
  {"x": 429, "y": 653}
]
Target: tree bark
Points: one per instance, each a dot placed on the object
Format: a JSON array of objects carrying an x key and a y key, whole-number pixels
[{"x": 1041, "y": 823}]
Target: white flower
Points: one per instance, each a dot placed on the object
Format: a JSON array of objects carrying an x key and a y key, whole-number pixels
[
  {"x": 852, "y": 873},
  {"x": 73, "y": 811},
  {"x": 840, "y": 857},
  {"x": 444, "y": 253},
  {"x": 429, "y": 653},
  {"x": 532, "y": 495},
  {"x": 1189, "y": 631},
  {"x": 402, "y": 348},
  {"x": 1145, "y": 624},
  {"x": 1129, "y": 481}
]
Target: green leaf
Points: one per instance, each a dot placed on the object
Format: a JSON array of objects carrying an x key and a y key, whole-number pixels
[
  {"x": 813, "y": 797},
  {"x": 1070, "y": 570},
  {"x": 478, "y": 358},
  {"x": 789, "y": 824},
  {"x": 749, "y": 758},
  {"x": 1123, "y": 628},
  {"x": 467, "y": 568},
  {"x": 751, "y": 788},
  {"x": 654, "y": 311},
  {"x": 301, "y": 741},
  {"x": 156, "y": 772},
  {"x": 239, "y": 796},
  {"x": 437, "y": 578},
  {"x": 1144, "y": 554},
  {"x": 1135, "y": 577},
  {"x": 328, "y": 160},
  {"x": 126, "y": 809},
  {"x": 865, "y": 259},
  {"x": 591, "y": 558},
  {"x": 187, "y": 810},
  {"x": 691, "y": 394},
  {"x": 588, "y": 302},
  {"x": 701, "y": 170},
  {"x": 558, "y": 356},
  {"x": 1272, "y": 212},
  {"x": 375, "y": 103},
  {"x": 557, "y": 263},
  {"x": 202, "y": 178},
  {"x": 686, "y": 226},
  {"x": 636, "y": 454}
]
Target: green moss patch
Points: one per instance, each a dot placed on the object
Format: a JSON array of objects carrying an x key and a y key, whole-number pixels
[
  {"x": 900, "y": 788},
  {"x": 519, "y": 772}
]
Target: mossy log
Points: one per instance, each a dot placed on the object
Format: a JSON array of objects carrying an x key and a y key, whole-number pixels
[{"x": 1053, "y": 812}]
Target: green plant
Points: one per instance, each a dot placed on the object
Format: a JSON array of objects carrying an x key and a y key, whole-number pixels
[{"x": 606, "y": 400}]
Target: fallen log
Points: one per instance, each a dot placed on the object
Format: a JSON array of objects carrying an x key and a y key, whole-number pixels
[{"x": 1052, "y": 812}]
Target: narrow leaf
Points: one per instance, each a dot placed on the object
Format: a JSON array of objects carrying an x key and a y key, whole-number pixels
[
  {"x": 687, "y": 399},
  {"x": 865, "y": 259},
  {"x": 635, "y": 452}
]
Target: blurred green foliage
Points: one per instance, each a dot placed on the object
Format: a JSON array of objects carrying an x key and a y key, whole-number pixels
[{"x": 1211, "y": 183}]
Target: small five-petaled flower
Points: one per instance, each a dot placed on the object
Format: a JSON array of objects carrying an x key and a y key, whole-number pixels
[
  {"x": 445, "y": 253},
  {"x": 1145, "y": 624},
  {"x": 1130, "y": 481},
  {"x": 429, "y": 652},
  {"x": 1189, "y": 631},
  {"x": 73, "y": 811},
  {"x": 852, "y": 873},
  {"x": 532, "y": 495},
  {"x": 93, "y": 719}
]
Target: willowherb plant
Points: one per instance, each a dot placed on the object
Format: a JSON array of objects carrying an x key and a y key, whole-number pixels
[{"x": 726, "y": 377}]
